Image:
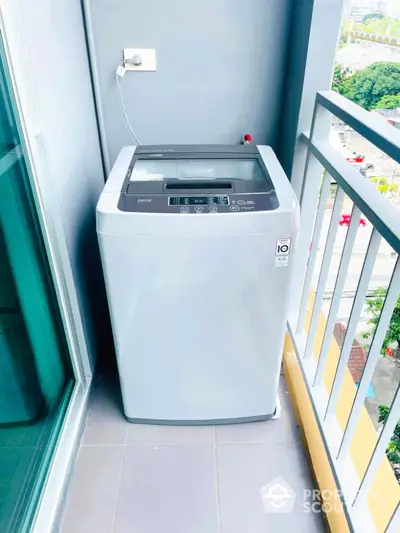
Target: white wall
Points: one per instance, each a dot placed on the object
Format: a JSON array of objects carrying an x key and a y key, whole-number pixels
[{"x": 54, "y": 78}]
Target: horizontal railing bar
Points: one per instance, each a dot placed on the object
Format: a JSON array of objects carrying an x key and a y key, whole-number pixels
[
  {"x": 362, "y": 287},
  {"x": 319, "y": 219},
  {"x": 373, "y": 356},
  {"x": 380, "y": 449},
  {"x": 337, "y": 292},
  {"x": 379, "y": 211},
  {"x": 369, "y": 125},
  {"x": 323, "y": 275},
  {"x": 394, "y": 524}
]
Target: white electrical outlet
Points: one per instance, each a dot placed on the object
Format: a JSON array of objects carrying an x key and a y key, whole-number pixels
[{"x": 140, "y": 59}]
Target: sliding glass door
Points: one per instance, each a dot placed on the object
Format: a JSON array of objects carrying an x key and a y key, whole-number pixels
[{"x": 36, "y": 378}]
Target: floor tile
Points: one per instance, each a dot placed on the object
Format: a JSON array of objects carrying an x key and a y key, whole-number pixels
[
  {"x": 166, "y": 435},
  {"x": 93, "y": 493},
  {"x": 280, "y": 430},
  {"x": 105, "y": 423},
  {"x": 170, "y": 489},
  {"x": 167, "y": 482},
  {"x": 244, "y": 472},
  {"x": 283, "y": 429}
]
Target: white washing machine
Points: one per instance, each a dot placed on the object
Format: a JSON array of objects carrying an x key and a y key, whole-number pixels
[{"x": 197, "y": 249}]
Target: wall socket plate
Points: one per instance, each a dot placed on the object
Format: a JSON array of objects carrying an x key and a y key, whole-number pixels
[{"x": 148, "y": 56}]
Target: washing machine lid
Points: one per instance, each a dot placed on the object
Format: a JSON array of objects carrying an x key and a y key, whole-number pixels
[{"x": 197, "y": 175}]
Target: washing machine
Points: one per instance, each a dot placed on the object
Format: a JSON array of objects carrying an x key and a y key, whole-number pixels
[{"x": 197, "y": 247}]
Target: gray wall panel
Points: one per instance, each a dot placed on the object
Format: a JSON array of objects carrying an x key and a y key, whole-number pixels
[{"x": 220, "y": 69}]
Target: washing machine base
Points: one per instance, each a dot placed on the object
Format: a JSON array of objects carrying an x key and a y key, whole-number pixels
[{"x": 209, "y": 422}]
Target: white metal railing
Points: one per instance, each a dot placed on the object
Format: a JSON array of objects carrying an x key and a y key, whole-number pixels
[{"x": 385, "y": 220}]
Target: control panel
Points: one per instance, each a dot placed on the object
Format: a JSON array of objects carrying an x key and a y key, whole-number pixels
[{"x": 198, "y": 204}]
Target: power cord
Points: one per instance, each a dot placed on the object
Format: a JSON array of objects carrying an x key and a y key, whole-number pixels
[{"x": 120, "y": 73}]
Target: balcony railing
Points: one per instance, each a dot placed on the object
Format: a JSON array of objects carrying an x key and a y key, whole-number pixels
[{"x": 359, "y": 481}]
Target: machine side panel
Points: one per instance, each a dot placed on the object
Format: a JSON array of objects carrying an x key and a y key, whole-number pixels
[{"x": 198, "y": 322}]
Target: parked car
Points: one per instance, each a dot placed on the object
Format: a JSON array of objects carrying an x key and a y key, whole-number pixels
[{"x": 366, "y": 169}]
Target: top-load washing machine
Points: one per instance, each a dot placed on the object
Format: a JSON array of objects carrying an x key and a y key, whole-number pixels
[{"x": 197, "y": 249}]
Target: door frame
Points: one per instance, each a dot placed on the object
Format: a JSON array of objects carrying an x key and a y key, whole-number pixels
[{"x": 46, "y": 201}]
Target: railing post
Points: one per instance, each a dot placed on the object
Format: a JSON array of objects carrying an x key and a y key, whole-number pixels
[
  {"x": 320, "y": 127},
  {"x": 379, "y": 451},
  {"x": 319, "y": 219},
  {"x": 323, "y": 275},
  {"x": 337, "y": 293},
  {"x": 355, "y": 313},
  {"x": 373, "y": 356}
]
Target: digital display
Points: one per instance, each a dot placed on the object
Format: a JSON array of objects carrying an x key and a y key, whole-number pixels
[{"x": 198, "y": 200}]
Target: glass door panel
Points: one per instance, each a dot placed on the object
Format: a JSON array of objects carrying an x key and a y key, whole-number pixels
[{"x": 36, "y": 377}]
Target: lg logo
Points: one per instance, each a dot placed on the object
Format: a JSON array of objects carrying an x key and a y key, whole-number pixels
[{"x": 282, "y": 247}]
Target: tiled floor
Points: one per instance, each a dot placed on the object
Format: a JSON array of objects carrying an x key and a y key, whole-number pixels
[{"x": 161, "y": 479}]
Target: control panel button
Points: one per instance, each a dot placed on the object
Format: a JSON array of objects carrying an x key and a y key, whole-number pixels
[
  {"x": 184, "y": 210},
  {"x": 198, "y": 209},
  {"x": 235, "y": 208},
  {"x": 213, "y": 209},
  {"x": 241, "y": 202}
]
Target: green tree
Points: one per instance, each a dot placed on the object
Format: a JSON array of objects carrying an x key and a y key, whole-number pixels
[
  {"x": 379, "y": 25},
  {"x": 388, "y": 102},
  {"x": 339, "y": 75},
  {"x": 374, "y": 307},
  {"x": 366, "y": 87},
  {"x": 393, "y": 450}
]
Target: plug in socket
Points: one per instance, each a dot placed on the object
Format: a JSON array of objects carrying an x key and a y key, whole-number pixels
[{"x": 147, "y": 55}]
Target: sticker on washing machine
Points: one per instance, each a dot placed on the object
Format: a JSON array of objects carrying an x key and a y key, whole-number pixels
[
  {"x": 281, "y": 260},
  {"x": 282, "y": 247}
]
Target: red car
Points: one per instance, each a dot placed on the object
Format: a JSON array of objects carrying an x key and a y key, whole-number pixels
[{"x": 345, "y": 221}]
